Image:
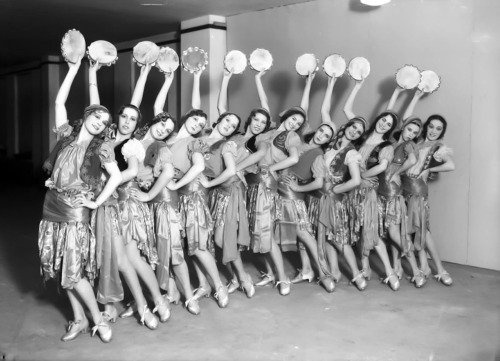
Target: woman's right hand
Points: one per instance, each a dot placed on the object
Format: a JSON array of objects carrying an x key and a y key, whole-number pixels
[{"x": 94, "y": 66}]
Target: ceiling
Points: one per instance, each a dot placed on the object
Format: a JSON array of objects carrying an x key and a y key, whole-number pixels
[{"x": 31, "y": 29}]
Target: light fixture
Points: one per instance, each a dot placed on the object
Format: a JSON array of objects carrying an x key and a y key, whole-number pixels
[{"x": 375, "y": 2}]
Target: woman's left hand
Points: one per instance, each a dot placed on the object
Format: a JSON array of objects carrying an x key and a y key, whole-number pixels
[
  {"x": 139, "y": 195},
  {"x": 424, "y": 175},
  {"x": 82, "y": 201},
  {"x": 172, "y": 185},
  {"x": 204, "y": 181},
  {"x": 292, "y": 183}
]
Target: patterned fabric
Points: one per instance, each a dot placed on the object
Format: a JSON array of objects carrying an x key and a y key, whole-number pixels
[
  {"x": 415, "y": 192},
  {"x": 393, "y": 212}
]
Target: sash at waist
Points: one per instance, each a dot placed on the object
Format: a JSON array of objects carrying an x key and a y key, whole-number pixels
[
  {"x": 194, "y": 186},
  {"x": 389, "y": 189},
  {"x": 57, "y": 208},
  {"x": 265, "y": 178},
  {"x": 415, "y": 186},
  {"x": 124, "y": 190},
  {"x": 287, "y": 193},
  {"x": 168, "y": 196}
]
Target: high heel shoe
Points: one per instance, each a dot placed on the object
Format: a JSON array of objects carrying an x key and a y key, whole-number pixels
[
  {"x": 174, "y": 299},
  {"x": 111, "y": 315},
  {"x": 328, "y": 283},
  {"x": 105, "y": 333},
  {"x": 399, "y": 272},
  {"x": 202, "y": 291},
  {"x": 359, "y": 281},
  {"x": 445, "y": 278},
  {"x": 248, "y": 287},
  {"x": 367, "y": 273},
  {"x": 162, "y": 306},
  {"x": 427, "y": 272},
  {"x": 284, "y": 287},
  {"x": 148, "y": 319},
  {"x": 193, "y": 306},
  {"x": 222, "y": 296},
  {"x": 75, "y": 328},
  {"x": 129, "y": 311},
  {"x": 337, "y": 276},
  {"x": 266, "y": 279},
  {"x": 393, "y": 281},
  {"x": 302, "y": 277},
  {"x": 232, "y": 285}
]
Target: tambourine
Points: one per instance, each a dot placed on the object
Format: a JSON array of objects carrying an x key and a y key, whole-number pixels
[
  {"x": 235, "y": 62},
  {"x": 260, "y": 60},
  {"x": 168, "y": 60},
  {"x": 194, "y": 59},
  {"x": 408, "y": 77},
  {"x": 145, "y": 52},
  {"x": 359, "y": 68},
  {"x": 429, "y": 81},
  {"x": 334, "y": 66},
  {"x": 307, "y": 64},
  {"x": 73, "y": 46},
  {"x": 103, "y": 52}
]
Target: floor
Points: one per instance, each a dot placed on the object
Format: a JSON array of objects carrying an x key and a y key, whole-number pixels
[{"x": 433, "y": 323}]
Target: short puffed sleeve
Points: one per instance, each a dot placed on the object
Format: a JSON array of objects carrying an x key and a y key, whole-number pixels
[
  {"x": 386, "y": 153},
  {"x": 352, "y": 156},
  {"x": 63, "y": 131},
  {"x": 292, "y": 140},
  {"x": 443, "y": 151},
  {"x": 106, "y": 153},
  {"x": 197, "y": 146},
  {"x": 318, "y": 167},
  {"x": 133, "y": 148},
  {"x": 164, "y": 158},
  {"x": 410, "y": 148},
  {"x": 230, "y": 147}
]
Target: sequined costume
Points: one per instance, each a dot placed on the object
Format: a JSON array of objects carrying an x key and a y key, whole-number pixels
[
  {"x": 366, "y": 219},
  {"x": 416, "y": 190}
]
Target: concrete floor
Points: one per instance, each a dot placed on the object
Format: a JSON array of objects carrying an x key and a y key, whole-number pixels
[{"x": 434, "y": 323}]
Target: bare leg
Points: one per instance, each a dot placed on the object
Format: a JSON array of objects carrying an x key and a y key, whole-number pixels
[
  {"x": 431, "y": 247},
  {"x": 85, "y": 292},
  {"x": 78, "y": 311},
  {"x": 182, "y": 274}
]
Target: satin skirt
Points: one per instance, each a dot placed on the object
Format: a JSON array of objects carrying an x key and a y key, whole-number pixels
[
  {"x": 394, "y": 213},
  {"x": 416, "y": 192},
  {"x": 67, "y": 246},
  {"x": 365, "y": 218}
]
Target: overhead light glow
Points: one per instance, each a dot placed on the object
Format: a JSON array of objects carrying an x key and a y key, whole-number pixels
[{"x": 375, "y": 2}]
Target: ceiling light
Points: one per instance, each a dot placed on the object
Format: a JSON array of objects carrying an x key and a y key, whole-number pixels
[{"x": 375, "y": 2}]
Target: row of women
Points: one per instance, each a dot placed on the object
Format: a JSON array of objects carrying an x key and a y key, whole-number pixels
[{"x": 138, "y": 200}]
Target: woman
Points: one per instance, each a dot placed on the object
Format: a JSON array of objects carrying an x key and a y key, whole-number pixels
[
  {"x": 433, "y": 157},
  {"x": 65, "y": 240},
  {"x": 135, "y": 219},
  {"x": 233, "y": 190},
  {"x": 375, "y": 151},
  {"x": 189, "y": 163}
]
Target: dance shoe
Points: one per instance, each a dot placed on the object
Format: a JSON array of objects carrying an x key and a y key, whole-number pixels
[
  {"x": 359, "y": 281},
  {"x": 367, "y": 273},
  {"x": 222, "y": 296},
  {"x": 110, "y": 316},
  {"x": 129, "y": 311},
  {"x": 426, "y": 272},
  {"x": 419, "y": 280},
  {"x": 393, "y": 281},
  {"x": 266, "y": 279},
  {"x": 248, "y": 287},
  {"x": 284, "y": 287},
  {"x": 193, "y": 306},
  {"x": 148, "y": 319},
  {"x": 174, "y": 297},
  {"x": 445, "y": 278},
  {"x": 232, "y": 285},
  {"x": 337, "y": 276},
  {"x": 399, "y": 272},
  {"x": 75, "y": 328},
  {"x": 104, "y": 329},
  {"x": 328, "y": 283},
  {"x": 203, "y": 291},
  {"x": 302, "y": 277},
  {"x": 162, "y": 306}
]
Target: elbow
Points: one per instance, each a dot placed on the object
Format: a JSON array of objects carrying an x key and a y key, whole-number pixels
[
  {"x": 294, "y": 159},
  {"x": 356, "y": 182}
]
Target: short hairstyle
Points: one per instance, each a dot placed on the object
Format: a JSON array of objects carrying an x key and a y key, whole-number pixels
[{"x": 426, "y": 125}]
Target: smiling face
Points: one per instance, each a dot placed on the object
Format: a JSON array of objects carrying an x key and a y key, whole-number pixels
[
  {"x": 434, "y": 129},
  {"x": 410, "y": 132},
  {"x": 322, "y": 135},
  {"x": 162, "y": 129},
  {"x": 96, "y": 122},
  {"x": 293, "y": 122},
  {"x": 194, "y": 124},
  {"x": 384, "y": 124},
  {"x": 258, "y": 123},
  {"x": 354, "y": 131},
  {"x": 127, "y": 121},
  {"x": 228, "y": 125}
]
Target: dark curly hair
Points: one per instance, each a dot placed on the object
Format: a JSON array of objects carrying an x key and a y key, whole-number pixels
[
  {"x": 342, "y": 129},
  {"x": 139, "y": 133},
  {"x": 292, "y": 111},
  {"x": 428, "y": 122},
  {"x": 309, "y": 136},
  {"x": 387, "y": 134},
  {"x": 222, "y": 116},
  {"x": 262, "y": 111}
]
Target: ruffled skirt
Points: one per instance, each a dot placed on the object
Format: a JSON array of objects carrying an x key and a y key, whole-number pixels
[
  {"x": 365, "y": 218},
  {"x": 292, "y": 215},
  {"x": 393, "y": 211}
]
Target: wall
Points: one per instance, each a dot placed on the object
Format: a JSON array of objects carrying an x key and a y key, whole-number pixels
[{"x": 458, "y": 39}]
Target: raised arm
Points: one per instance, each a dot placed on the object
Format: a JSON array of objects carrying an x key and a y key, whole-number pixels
[
  {"x": 195, "y": 96},
  {"x": 161, "y": 98},
  {"x": 350, "y": 100},
  {"x": 327, "y": 104},
  {"x": 62, "y": 95},
  {"x": 264, "y": 103},
  {"x": 416, "y": 97},
  {"x": 222, "y": 105},
  {"x": 394, "y": 97},
  {"x": 304, "y": 102},
  {"x": 93, "y": 89},
  {"x": 139, "y": 86}
]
